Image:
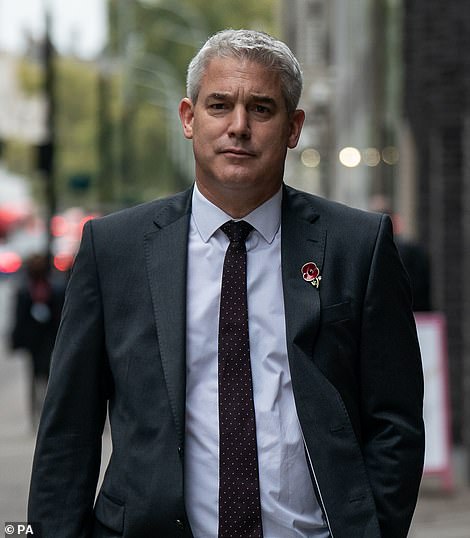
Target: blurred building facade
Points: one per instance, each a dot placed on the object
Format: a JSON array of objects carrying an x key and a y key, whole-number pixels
[
  {"x": 389, "y": 80},
  {"x": 21, "y": 116},
  {"x": 437, "y": 106},
  {"x": 352, "y": 96}
]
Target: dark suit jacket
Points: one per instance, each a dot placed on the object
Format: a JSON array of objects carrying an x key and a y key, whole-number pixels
[{"x": 353, "y": 356}]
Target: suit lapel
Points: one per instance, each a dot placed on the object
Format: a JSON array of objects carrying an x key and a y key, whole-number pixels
[
  {"x": 303, "y": 240},
  {"x": 166, "y": 258}
]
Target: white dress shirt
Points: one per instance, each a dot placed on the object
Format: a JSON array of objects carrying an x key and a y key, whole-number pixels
[{"x": 288, "y": 503}]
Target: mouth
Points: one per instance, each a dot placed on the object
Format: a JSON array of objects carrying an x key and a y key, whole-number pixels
[{"x": 237, "y": 152}]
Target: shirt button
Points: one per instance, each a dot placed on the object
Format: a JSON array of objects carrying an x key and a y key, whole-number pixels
[{"x": 179, "y": 525}]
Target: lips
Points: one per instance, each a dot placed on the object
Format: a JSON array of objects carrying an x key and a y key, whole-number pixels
[{"x": 237, "y": 152}]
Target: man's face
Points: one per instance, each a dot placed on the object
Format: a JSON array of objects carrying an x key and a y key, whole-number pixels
[{"x": 240, "y": 130}]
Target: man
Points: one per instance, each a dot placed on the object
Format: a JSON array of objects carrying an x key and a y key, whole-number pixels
[{"x": 312, "y": 427}]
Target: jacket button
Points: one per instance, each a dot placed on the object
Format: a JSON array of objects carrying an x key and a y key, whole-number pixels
[
  {"x": 179, "y": 525},
  {"x": 180, "y": 451}
]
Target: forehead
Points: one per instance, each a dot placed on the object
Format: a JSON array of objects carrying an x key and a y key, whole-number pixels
[{"x": 232, "y": 75}]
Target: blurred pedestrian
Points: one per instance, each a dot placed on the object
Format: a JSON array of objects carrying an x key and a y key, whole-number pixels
[
  {"x": 37, "y": 308},
  {"x": 414, "y": 256}
]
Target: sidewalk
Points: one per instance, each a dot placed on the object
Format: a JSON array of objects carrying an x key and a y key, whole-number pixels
[
  {"x": 16, "y": 440},
  {"x": 444, "y": 515},
  {"x": 441, "y": 516}
]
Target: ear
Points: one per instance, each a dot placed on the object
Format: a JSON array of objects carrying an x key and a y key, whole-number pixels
[
  {"x": 296, "y": 122},
  {"x": 186, "y": 112}
]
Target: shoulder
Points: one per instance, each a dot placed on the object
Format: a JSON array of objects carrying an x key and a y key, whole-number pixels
[
  {"x": 332, "y": 214},
  {"x": 144, "y": 216}
]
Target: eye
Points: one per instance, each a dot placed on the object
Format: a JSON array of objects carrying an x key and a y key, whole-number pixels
[
  {"x": 261, "y": 109},
  {"x": 217, "y": 106}
]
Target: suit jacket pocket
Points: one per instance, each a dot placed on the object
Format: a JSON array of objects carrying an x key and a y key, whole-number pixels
[
  {"x": 336, "y": 312},
  {"x": 110, "y": 512}
]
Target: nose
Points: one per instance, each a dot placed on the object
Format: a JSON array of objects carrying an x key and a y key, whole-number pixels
[{"x": 239, "y": 125}]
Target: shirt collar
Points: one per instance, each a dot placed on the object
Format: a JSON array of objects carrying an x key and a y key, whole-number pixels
[{"x": 208, "y": 218}]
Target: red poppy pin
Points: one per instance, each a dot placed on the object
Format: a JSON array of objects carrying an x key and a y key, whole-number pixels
[{"x": 311, "y": 273}]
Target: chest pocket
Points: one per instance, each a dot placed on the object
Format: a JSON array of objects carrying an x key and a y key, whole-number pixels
[{"x": 336, "y": 313}]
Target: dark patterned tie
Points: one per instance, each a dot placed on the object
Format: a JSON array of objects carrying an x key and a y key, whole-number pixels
[{"x": 239, "y": 499}]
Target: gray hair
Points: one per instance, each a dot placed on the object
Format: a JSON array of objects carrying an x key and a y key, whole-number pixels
[{"x": 254, "y": 46}]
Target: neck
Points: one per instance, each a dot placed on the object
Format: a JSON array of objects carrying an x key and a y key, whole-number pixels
[{"x": 236, "y": 203}]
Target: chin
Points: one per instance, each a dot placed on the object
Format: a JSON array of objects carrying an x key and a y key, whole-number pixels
[
  {"x": 240, "y": 182},
  {"x": 239, "y": 176}
]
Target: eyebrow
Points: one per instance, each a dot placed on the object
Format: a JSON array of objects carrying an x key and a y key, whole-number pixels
[
  {"x": 260, "y": 98},
  {"x": 218, "y": 95},
  {"x": 264, "y": 99}
]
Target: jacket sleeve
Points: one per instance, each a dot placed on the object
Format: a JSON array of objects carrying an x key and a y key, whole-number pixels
[
  {"x": 391, "y": 389},
  {"x": 68, "y": 450}
]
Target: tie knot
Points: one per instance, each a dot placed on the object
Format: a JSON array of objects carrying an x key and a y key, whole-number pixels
[{"x": 236, "y": 231}]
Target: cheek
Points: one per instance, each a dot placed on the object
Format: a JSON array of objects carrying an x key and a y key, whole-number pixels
[
  {"x": 204, "y": 151},
  {"x": 275, "y": 138},
  {"x": 206, "y": 128},
  {"x": 275, "y": 150}
]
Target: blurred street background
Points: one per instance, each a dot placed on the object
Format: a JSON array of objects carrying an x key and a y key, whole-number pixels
[{"x": 89, "y": 91}]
